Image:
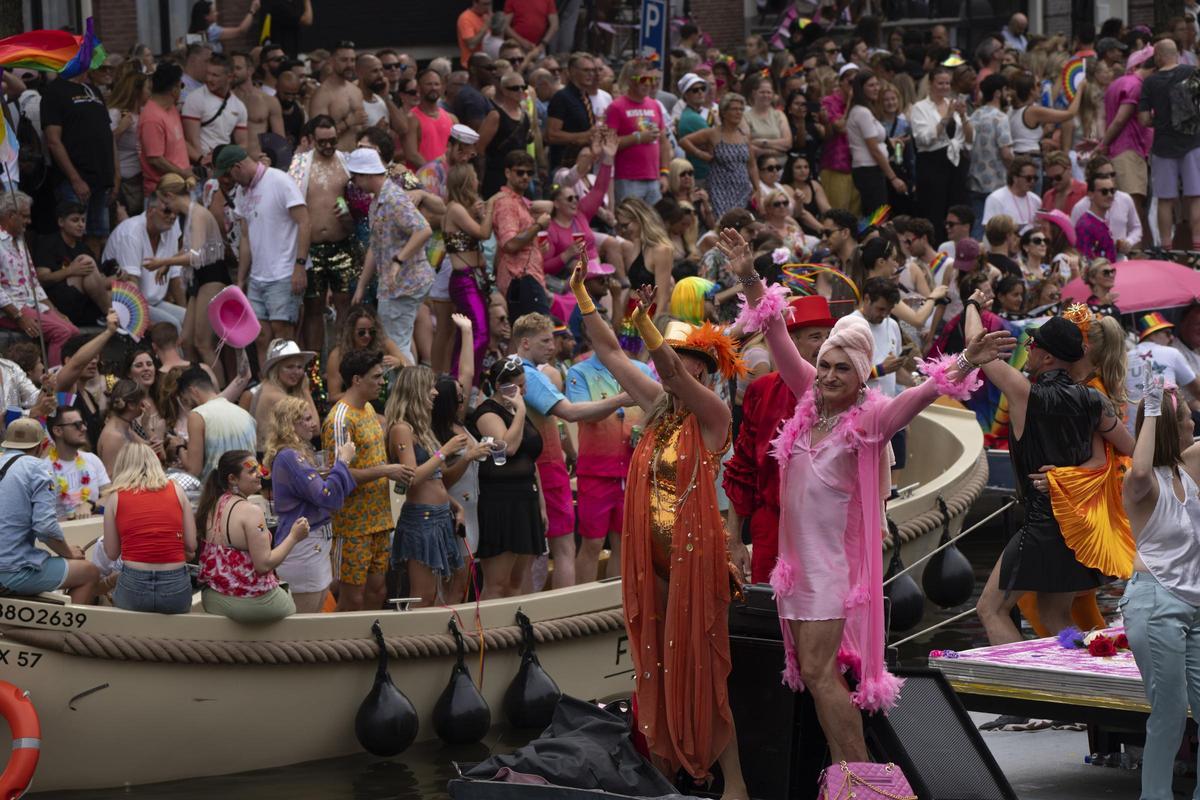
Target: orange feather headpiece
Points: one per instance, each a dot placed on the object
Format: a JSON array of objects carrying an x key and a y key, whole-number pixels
[{"x": 708, "y": 343}]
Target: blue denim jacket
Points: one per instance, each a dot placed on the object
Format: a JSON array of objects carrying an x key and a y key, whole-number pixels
[{"x": 26, "y": 511}]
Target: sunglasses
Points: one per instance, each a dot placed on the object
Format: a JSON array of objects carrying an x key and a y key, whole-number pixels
[
  {"x": 365, "y": 331},
  {"x": 779, "y": 204},
  {"x": 570, "y": 198},
  {"x": 1055, "y": 177},
  {"x": 1107, "y": 273},
  {"x": 772, "y": 168},
  {"x": 79, "y": 426},
  {"x": 394, "y": 66},
  {"x": 554, "y": 71},
  {"x": 1037, "y": 239},
  {"x": 1107, "y": 191},
  {"x": 686, "y": 173},
  {"x": 694, "y": 89},
  {"x": 830, "y": 51},
  {"x": 523, "y": 173},
  {"x": 518, "y": 88},
  {"x": 412, "y": 92},
  {"x": 950, "y": 223},
  {"x": 330, "y": 142}
]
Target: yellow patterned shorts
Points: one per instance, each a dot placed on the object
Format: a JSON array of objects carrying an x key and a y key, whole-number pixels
[
  {"x": 335, "y": 265},
  {"x": 356, "y": 557}
]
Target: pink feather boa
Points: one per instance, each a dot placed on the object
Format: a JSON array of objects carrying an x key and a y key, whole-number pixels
[
  {"x": 937, "y": 370},
  {"x": 752, "y": 319},
  {"x": 848, "y": 428},
  {"x": 877, "y": 694}
]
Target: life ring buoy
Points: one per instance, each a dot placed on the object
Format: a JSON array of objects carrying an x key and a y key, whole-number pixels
[{"x": 22, "y": 718}]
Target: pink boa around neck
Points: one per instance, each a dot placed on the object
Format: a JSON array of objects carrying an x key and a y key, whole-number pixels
[
  {"x": 773, "y": 303},
  {"x": 937, "y": 370},
  {"x": 853, "y": 434}
]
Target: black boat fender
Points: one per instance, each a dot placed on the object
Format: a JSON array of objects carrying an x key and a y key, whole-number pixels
[
  {"x": 908, "y": 604},
  {"x": 530, "y": 699},
  {"x": 948, "y": 580},
  {"x": 386, "y": 722},
  {"x": 461, "y": 715}
]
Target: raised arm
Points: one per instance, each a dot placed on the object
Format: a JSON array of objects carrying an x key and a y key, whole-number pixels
[
  {"x": 74, "y": 366},
  {"x": 763, "y": 310},
  {"x": 1003, "y": 375},
  {"x": 711, "y": 411},
  {"x": 641, "y": 387},
  {"x": 1140, "y": 486}
]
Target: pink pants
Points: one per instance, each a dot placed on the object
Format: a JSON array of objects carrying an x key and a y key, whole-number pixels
[
  {"x": 468, "y": 300},
  {"x": 56, "y": 329}
]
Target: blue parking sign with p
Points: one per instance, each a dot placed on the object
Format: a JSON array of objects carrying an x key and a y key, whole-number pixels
[{"x": 653, "y": 36}]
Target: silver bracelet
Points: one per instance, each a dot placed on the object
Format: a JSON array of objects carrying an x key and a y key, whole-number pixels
[
  {"x": 752, "y": 278},
  {"x": 963, "y": 364}
]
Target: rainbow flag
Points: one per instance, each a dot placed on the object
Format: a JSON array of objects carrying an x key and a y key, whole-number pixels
[
  {"x": 54, "y": 51},
  {"x": 937, "y": 262}
]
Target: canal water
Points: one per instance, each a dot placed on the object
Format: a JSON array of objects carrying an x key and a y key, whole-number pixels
[{"x": 422, "y": 772}]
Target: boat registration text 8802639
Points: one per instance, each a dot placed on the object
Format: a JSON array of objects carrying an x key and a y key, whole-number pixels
[{"x": 52, "y": 617}]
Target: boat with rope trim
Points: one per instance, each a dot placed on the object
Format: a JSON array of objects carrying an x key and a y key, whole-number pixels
[{"x": 118, "y": 691}]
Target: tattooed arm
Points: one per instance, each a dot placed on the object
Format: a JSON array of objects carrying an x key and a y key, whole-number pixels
[{"x": 1112, "y": 430}]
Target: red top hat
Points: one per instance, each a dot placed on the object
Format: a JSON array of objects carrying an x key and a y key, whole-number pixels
[{"x": 809, "y": 312}]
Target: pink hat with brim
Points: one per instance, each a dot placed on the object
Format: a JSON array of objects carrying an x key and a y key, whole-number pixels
[
  {"x": 232, "y": 318},
  {"x": 1062, "y": 221}
]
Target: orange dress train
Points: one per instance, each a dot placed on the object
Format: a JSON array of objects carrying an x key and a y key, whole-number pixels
[{"x": 674, "y": 529}]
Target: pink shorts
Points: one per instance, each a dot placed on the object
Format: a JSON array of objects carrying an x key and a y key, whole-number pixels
[
  {"x": 601, "y": 506},
  {"x": 560, "y": 508}
]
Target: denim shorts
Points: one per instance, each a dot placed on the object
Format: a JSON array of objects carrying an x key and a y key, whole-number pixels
[
  {"x": 98, "y": 220},
  {"x": 167, "y": 591},
  {"x": 274, "y": 300},
  {"x": 30, "y": 580}
]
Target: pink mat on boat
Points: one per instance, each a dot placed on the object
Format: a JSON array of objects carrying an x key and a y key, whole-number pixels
[{"x": 1047, "y": 654}]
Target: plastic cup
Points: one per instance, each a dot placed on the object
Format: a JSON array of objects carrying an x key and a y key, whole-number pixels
[{"x": 499, "y": 453}]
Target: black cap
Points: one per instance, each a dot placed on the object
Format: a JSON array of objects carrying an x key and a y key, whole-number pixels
[{"x": 1060, "y": 338}]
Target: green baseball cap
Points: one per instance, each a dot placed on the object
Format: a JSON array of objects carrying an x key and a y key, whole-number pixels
[{"x": 230, "y": 155}]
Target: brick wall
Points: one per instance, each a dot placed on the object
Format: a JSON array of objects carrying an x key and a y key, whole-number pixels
[
  {"x": 723, "y": 20},
  {"x": 116, "y": 24}
]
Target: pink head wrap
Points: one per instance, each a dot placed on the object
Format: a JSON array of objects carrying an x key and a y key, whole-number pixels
[{"x": 853, "y": 335}]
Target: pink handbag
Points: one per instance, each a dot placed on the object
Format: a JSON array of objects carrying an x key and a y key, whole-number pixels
[{"x": 864, "y": 780}]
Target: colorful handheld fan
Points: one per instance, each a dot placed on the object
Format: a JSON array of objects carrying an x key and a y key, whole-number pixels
[
  {"x": 1073, "y": 74},
  {"x": 132, "y": 309}
]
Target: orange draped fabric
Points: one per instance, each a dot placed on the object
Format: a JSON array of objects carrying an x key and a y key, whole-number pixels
[
  {"x": 681, "y": 661},
  {"x": 1087, "y": 504}
]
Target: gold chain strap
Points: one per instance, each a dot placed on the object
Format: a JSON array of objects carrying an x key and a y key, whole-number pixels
[{"x": 852, "y": 779}]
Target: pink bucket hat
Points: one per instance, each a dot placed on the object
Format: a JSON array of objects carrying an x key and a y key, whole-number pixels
[{"x": 232, "y": 318}]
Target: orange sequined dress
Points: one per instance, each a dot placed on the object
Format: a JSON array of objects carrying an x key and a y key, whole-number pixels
[{"x": 674, "y": 531}]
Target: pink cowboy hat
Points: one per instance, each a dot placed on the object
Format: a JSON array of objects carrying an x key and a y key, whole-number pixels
[
  {"x": 1062, "y": 221},
  {"x": 232, "y": 318}
]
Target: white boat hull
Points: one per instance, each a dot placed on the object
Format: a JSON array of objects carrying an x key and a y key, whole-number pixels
[{"x": 118, "y": 722}]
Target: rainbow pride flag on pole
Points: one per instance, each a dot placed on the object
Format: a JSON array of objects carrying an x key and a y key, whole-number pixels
[{"x": 55, "y": 51}]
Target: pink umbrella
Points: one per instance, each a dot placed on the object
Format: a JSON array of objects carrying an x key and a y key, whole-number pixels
[{"x": 1146, "y": 286}]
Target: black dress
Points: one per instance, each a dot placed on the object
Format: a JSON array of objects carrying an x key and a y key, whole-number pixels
[
  {"x": 1060, "y": 420},
  {"x": 510, "y": 516}
]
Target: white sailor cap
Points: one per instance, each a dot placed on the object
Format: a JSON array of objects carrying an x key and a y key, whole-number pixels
[{"x": 464, "y": 134}]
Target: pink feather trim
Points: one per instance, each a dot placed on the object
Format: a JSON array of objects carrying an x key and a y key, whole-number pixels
[
  {"x": 937, "y": 370},
  {"x": 858, "y": 596},
  {"x": 752, "y": 319},
  {"x": 791, "y": 671},
  {"x": 878, "y": 694},
  {"x": 848, "y": 427},
  {"x": 782, "y": 578}
]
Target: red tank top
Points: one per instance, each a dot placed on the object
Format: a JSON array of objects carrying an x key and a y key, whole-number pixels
[
  {"x": 435, "y": 133},
  {"x": 151, "y": 525}
]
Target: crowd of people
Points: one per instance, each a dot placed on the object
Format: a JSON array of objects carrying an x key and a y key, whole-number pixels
[{"x": 564, "y": 305}]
